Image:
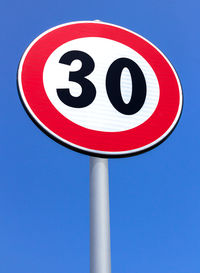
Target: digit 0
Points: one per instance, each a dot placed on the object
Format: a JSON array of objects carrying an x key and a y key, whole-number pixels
[{"x": 113, "y": 79}]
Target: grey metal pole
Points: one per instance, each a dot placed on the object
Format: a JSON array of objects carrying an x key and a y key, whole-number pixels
[{"x": 100, "y": 257}]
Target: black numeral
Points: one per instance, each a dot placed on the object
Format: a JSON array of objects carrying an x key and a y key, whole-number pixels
[
  {"x": 113, "y": 80},
  {"x": 88, "y": 90},
  {"x": 138, "y": 86}
]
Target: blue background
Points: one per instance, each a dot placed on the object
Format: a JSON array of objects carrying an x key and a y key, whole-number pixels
[{"x": 44, "y": 187}]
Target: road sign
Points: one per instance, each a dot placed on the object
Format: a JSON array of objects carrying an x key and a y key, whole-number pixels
[{"x": 99, "y": 88}]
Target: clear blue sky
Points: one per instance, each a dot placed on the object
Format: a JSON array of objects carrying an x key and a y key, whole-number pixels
[{"x": 44, "y": 187}]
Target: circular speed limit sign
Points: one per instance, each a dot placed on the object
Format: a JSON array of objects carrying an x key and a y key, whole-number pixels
[{"x": 99, "y": 88}]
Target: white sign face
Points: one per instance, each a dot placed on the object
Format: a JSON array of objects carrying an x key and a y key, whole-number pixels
[
  {"x": 100, "y": 115},
  {"x": 99, "y": 88}
]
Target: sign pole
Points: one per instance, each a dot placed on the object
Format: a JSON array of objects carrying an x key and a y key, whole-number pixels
[{"x": 100, "y": 258}]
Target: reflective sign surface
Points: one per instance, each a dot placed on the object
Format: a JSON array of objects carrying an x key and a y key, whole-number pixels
[{"x": 99, "y": 88}]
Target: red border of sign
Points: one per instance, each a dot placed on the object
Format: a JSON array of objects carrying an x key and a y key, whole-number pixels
[{"x": 106, "y": 144}]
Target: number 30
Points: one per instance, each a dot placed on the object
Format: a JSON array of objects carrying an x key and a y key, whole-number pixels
[{"x": 113, "y": 78}]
